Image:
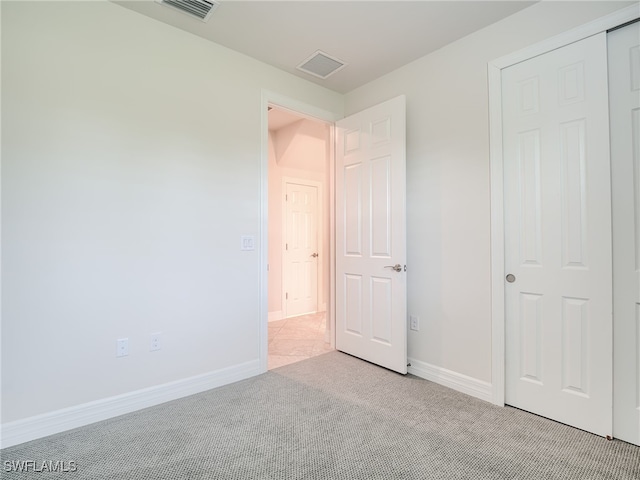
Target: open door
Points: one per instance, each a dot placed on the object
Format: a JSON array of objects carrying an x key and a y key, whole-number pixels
[{"x": 370, "y": 217}]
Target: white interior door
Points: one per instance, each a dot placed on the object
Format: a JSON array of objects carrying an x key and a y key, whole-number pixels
[
  {"x": 301, "y": 249},
  {"x": 558, "y": 236},
  {"x": 371, "y": 235},
  {"x": 624, "y": 97}
]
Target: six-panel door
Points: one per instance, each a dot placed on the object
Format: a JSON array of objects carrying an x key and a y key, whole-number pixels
[
  {"x": 371, "y": 235},
  {"x": 558, "y": 236}
]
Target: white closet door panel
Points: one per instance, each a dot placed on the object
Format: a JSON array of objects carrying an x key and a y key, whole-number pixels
[
  {"x": 624, "y": 88},
  {"x": 558, "y": 236}
]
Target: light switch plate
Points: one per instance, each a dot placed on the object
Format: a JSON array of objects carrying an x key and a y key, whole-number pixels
[{"x": 247, "y": 242}]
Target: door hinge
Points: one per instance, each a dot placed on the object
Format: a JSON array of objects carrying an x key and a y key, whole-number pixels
[
  {"x": 286, "y": 296},
  {"x": 286, "y": 246},
  {"x": 286, "y": 197}
]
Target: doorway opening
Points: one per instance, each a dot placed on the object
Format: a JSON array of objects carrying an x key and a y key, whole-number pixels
[{"x": 299, "y": 149}]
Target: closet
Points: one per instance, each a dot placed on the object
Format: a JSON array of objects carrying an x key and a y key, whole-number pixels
[{"x": 568, "y": 171}]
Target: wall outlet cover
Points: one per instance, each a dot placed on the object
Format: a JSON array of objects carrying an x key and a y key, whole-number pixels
[{"x": 122, "y": 347}]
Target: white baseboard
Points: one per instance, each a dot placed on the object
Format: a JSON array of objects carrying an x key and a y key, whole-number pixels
[
  {"x": 273, "y": 316},
  {"x": 39, "y": 426},
  {"x": 456, "y": 381}
]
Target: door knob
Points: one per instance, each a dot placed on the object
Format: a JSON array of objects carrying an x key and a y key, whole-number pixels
[
  {"x": 314, "y": 255},
  {"x": 511, "y": 278},
  {"x": 397, "y": 267}
]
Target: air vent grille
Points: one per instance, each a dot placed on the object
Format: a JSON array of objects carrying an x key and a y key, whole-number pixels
[
  {"x": 321, "y": 65},
  {"x": 201, "y": 9}
]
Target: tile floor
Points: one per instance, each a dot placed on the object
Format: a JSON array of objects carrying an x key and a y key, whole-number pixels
[{"x": 296, "y": 338}]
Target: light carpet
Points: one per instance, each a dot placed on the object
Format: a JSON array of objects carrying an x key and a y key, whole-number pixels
[{"x": 330, "y": 417}]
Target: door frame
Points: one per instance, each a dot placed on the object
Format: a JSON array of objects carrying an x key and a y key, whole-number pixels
[
  {"x": 313, "y": 113},
  {"x": 319, "y": 230},
  {"x": 494, "y": 68}
]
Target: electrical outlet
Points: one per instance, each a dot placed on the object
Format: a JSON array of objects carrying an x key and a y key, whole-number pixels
[
  {"x": 414, "y": 323},
  {"x": 122, "y": 347},
  {"x": 155, "y": 341}
]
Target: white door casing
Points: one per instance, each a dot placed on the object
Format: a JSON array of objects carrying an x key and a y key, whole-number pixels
[
  {"x": 557, "y": 204},
  {"x": 624, "y": 98},
  {"x": 370, "y": 185},
  {"x": 300, "y": 273}
]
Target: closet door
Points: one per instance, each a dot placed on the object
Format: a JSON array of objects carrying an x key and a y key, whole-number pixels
[
  {"x": 557, "y": 197},
  {"x": 624, "y": 97}
]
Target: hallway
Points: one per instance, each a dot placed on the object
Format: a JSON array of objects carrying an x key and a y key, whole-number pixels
[{"x": 297, "y": 338}]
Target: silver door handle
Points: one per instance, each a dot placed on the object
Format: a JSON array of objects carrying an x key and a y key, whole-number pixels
[
  {"x": 511, "y": 278},
  {"x": 314, "y": 255},
  {"x": 397, "y": 267}
]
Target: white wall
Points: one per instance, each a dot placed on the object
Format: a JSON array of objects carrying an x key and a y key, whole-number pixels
[
  {"x": 131, "y": 166},
  {"x": 448, "y": 180},
  {"x": 303, "y": 146}
]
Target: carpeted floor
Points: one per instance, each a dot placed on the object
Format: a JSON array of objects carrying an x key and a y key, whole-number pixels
[{"x": 330, "y": 417}]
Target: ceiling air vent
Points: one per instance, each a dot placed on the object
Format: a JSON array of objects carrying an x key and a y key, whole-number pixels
[
  {"x": 201, "y": 9},
  {"x": 321, "y": 65}
]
